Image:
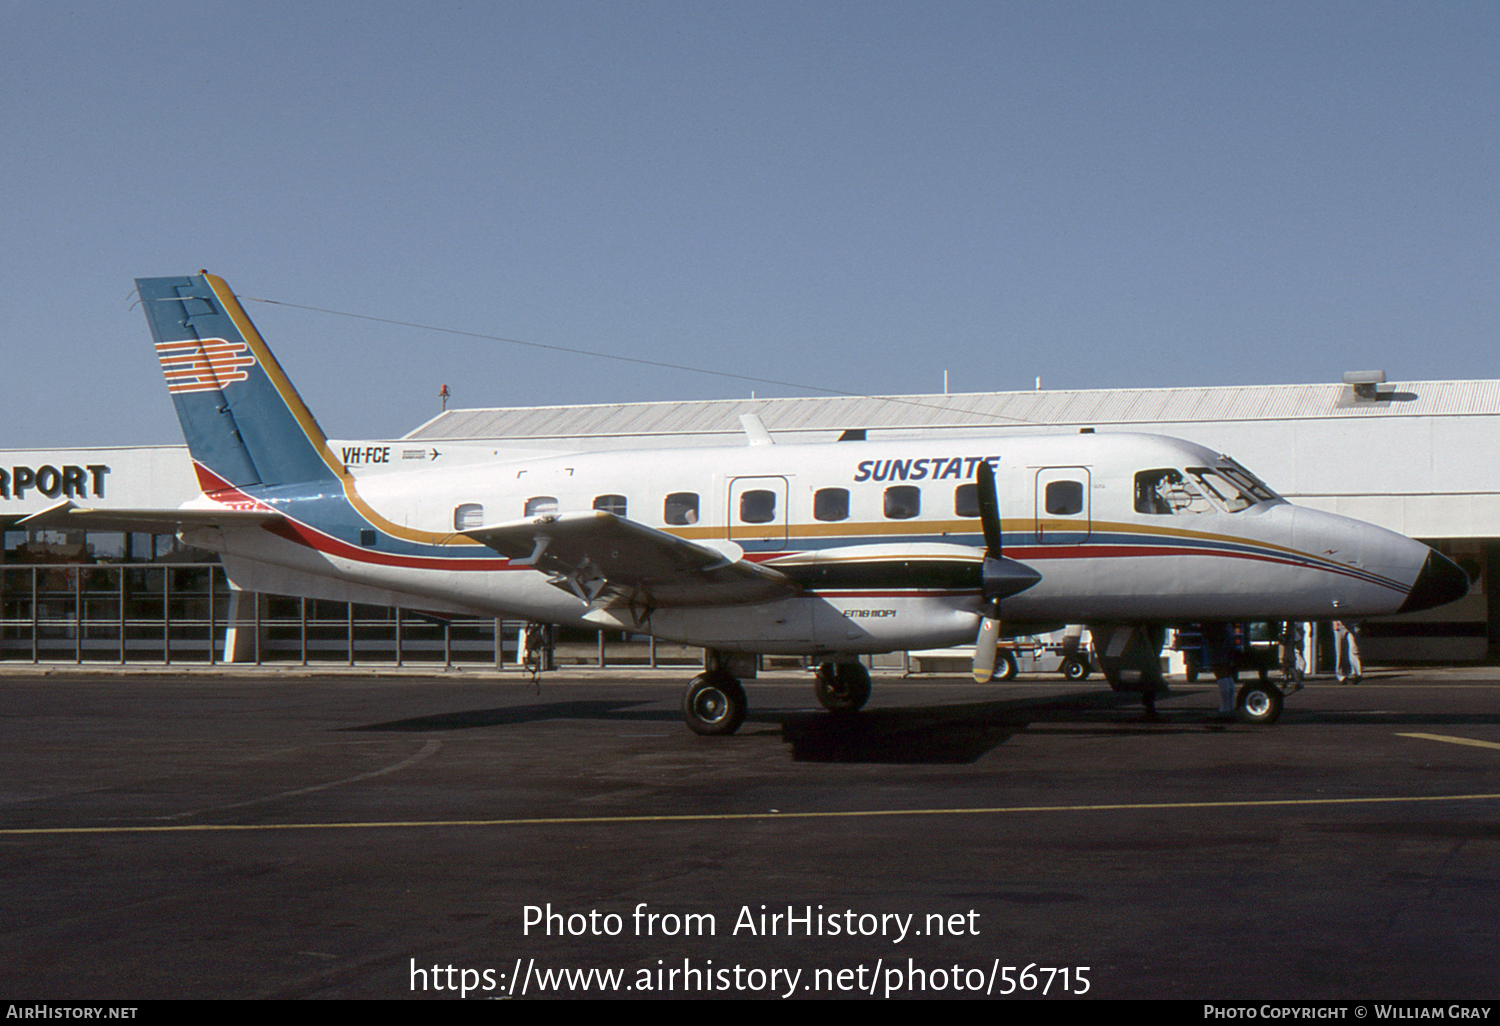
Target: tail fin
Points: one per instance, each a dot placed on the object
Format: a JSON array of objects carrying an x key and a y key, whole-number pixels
[{"x": 244, "y": 422}]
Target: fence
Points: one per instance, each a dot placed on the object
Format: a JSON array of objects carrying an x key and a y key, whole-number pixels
[{"x": 181, "y": 613}]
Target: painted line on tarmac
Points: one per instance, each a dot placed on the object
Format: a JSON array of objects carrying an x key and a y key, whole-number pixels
[
  {"x": 430, "y": 748},
  {"x": 1453, "y": 740},
  {"x": 732, "y": 816}
]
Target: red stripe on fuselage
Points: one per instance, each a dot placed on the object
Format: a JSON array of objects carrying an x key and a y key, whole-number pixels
[
  {"x": 222, "y": 491},
  {"x": 328, "y": 545}
]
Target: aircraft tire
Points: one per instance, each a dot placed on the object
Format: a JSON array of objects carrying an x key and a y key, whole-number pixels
[
  {"x": 1258, "y": 704},
  {"x": 842, "y": 687},
  {"x": 714, "y": 704},
  {"x": 1074, "y": 668},
  {"x": 1005, "y": 667}
]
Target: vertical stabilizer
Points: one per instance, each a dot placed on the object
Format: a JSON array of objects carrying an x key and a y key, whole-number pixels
[{"x": 244, "y": 422}]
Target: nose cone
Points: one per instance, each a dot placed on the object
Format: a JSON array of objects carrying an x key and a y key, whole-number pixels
[{"x": 1440, "y": 582}]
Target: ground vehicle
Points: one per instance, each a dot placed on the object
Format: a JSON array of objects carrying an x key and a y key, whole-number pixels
[
  {"x": 1050, "y": 653},
  {"x": 1067, "y": 652},
  {"x": 1252, "y": 647}
]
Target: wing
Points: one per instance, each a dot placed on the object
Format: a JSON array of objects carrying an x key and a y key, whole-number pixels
[
  {"x": 605, "y": 559},
  {"x": 67, "y": 515}
]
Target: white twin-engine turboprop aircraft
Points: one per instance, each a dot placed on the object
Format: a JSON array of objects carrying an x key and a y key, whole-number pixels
[{"x": 824, "y": 550}]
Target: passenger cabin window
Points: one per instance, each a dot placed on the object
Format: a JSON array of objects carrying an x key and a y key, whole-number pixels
[
  {"x": 468, "y": 516},
  {"x": 902, "y": 502},
  {"x": 1166, "y": 491},
  {"x": 610, "y": 504},
  {"x": 539, "y": 505},
  {"x": 831, "y": 504},
  {"x": 757, "y": 506},
  {"x": 1064, "y": 498},
  {"x": 966, "y": 500},
  {"x": 681, "y": 508}
]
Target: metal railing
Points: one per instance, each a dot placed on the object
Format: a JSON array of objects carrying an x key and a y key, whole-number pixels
[{"x": 185, "y": 613}]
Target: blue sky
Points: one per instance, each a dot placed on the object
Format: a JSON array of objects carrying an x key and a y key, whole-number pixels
[{"x": 855, "y": 196}]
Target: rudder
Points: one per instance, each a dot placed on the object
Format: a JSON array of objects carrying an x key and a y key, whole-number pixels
[{"x": 244, "y": 422}]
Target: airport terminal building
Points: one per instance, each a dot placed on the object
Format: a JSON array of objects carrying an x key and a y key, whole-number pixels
[{"x": 1416, "y": 457}]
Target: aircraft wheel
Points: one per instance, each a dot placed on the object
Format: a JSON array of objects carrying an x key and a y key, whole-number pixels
[
  {"x": 713, "y": 704},
  {"x": 1005, "y": 667},
  {"x": 1075, "y": 668},
  {"x": 843, "y": 687},
  {"x": 1258, "y": 703}
]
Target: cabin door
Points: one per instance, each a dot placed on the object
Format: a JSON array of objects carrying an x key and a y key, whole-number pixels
[{"x": 1062, "y": 505}]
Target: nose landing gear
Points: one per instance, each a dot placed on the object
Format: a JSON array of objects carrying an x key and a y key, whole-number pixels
[{"x": 1258, "y": 702}]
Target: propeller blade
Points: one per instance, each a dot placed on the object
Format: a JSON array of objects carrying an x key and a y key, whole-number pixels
[
  {"x": 989, "y": 508},
  {"x": 1002, "y": 577},
  {"x": 984, "y": 645}
]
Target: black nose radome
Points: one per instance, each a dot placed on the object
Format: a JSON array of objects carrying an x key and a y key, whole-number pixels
[{"x": 1441, "y": 581}]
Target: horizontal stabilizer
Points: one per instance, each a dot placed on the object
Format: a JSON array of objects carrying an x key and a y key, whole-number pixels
[{"x": 69, "y": 516}]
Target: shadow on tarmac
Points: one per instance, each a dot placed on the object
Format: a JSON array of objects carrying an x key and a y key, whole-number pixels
[
  {"x": 470, "y": 719},
  {"x": 952, "y": 734},
  {"x": 939, "y": 734}
]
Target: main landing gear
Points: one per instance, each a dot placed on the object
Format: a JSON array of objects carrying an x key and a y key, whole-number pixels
[
  {"x": 714, "y": 702},
  {"x": 843, "y": 687}
]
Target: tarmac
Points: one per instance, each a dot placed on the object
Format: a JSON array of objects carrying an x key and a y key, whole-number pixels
[{"x": 362, "y": 833}]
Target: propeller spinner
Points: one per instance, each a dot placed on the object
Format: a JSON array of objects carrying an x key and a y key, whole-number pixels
[{"x": 1000, "y": 577}]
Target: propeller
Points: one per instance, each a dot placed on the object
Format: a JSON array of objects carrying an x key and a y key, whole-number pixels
[{"x": 1000, "y": 577}]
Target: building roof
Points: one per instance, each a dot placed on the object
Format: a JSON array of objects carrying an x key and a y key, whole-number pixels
[{"x": 823, "y": 415}]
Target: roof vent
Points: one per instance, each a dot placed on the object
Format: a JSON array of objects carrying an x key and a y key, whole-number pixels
[{"x": 1369, "y": 384}]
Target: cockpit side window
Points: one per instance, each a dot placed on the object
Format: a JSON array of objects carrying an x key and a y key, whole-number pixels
[{"x": 1166, "y": 492}]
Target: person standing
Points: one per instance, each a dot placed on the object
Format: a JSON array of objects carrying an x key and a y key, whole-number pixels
[{"x": 1347, "y": 667}]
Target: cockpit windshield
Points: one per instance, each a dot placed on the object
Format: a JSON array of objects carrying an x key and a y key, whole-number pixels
[
  {"x": 1248, "y": 482},
  {"x": 1224, "y": 491}
]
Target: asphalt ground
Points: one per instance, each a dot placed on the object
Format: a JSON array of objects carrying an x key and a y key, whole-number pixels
[{"x": 364, "y": 835}]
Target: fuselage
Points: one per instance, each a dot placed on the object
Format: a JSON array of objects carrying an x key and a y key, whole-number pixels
[{"x": 882, "y": 538}]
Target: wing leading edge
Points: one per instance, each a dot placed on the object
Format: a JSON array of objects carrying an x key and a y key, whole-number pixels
[{"x": 606, "y": 559}]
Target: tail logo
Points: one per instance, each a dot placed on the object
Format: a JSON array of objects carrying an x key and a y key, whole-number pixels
[{"x": 203, "y": 365}]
